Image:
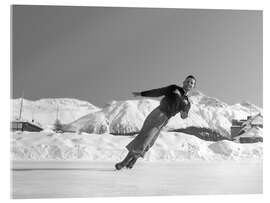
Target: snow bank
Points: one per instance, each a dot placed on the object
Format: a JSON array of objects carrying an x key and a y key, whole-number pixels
[{"x": 170, "y": 146}]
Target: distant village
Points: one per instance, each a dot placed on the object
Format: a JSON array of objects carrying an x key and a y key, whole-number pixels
[{"x": 240, "y": 128}]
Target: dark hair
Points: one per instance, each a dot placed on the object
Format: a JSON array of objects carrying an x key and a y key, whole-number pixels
[{"x": 192, "y": 77}]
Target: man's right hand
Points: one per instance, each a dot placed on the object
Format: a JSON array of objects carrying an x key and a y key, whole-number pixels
[{"x": 135, "y": 94}]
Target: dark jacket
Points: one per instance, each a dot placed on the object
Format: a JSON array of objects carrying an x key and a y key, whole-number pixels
[{"x": 175, "y": 99}]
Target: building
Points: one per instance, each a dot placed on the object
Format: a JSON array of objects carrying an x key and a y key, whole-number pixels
[
  {"x": 22, "y": 125},
  {"x": 250, "y": 139},
  {"x": 236, "y": 127},
  {"x": 25, "y": 126},
  {"x": 248, "y": 130}
]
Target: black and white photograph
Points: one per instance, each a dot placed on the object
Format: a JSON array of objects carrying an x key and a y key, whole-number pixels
[{"x": 129, "y": 101}]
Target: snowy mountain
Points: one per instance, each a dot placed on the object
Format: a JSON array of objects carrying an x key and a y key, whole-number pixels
[
  {"x": 123, "y": 117},
  {"x": 44, "y": 111},
  {"x": 116, "y": 117}
]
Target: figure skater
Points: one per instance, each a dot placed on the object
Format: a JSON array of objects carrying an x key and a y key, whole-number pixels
[{"x": 175, "y": 101}]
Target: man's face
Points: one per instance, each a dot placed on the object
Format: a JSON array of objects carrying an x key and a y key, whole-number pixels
[{"x": 189, "y": 84}]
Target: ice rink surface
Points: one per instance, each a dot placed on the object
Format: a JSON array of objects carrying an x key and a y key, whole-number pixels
[{"x": 64, "y": 179}]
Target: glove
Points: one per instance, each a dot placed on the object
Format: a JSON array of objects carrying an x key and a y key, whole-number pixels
[{"x": 184, "y": 114}]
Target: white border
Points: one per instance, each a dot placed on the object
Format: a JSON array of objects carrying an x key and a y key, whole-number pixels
[
  {"x": 200, "y": 4},
  {"x": 211, "y": 4}
]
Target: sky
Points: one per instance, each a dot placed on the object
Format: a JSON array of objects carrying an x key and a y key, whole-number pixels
[{"x": 101, "y": 54}]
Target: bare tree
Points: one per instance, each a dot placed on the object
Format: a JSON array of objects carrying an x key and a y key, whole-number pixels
[{"x": 58, "y": 127}]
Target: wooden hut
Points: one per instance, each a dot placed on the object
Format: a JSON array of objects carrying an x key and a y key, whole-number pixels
[{"x": 24, "y": 126}]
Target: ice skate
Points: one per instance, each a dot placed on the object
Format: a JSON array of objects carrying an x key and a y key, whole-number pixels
[
  {"x": 123, "y": 163},
  {"x": 131, "y": 163},
  {"x": 119, "y": 166}
]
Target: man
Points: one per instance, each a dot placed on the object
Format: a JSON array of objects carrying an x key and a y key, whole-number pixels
[{"x": 175, "y": 101}]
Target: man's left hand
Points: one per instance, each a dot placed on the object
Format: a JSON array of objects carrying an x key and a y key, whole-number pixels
[{"x": 184, "y": 115}]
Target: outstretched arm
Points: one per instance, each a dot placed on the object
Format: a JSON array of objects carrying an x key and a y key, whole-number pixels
[{"x": 154, "y": 92}]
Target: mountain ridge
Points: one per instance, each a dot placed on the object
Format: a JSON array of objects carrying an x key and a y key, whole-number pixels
[{"x": 127, "y": 116}]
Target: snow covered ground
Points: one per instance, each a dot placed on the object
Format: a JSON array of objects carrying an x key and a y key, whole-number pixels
[
  {"x": 170, "y": 146},
  {"x": 63, "y": 179},
  {"x": 50, "y": 165}
]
